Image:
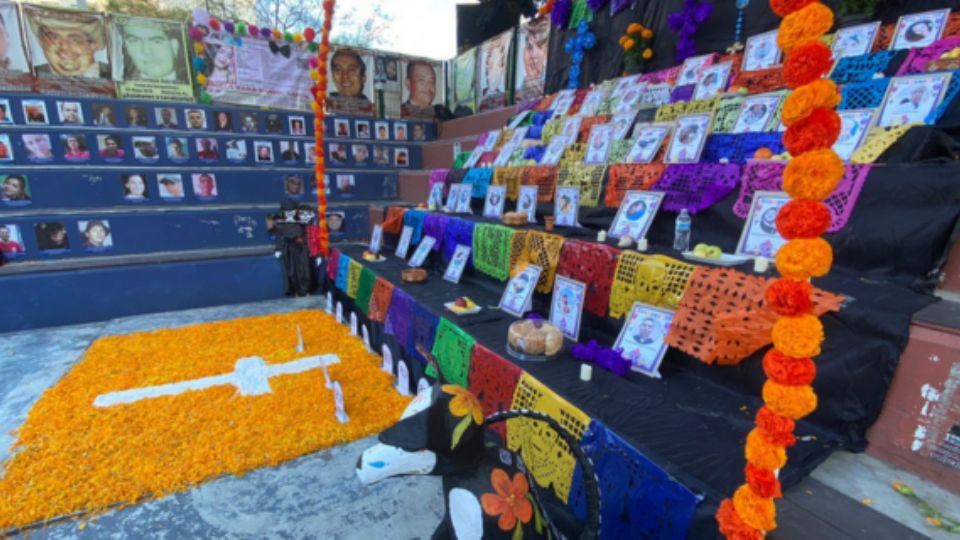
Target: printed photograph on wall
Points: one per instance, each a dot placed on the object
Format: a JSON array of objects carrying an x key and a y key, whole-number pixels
[
  {"x": 70, "y": 113},
  {"x": 464, "y": 77},
  {"x": 14, "y": 68},
  {"x": 6, "y": 114},
  {"x": 222, "y": 121},
  {"x": 111, "y": 148},
  {"x": 39, "y": 149},
  {"x": 263, "y": 151},
  {"x": 6, "y": 148},
  {"x": 145, "y": 149},
  {"x": 97, "y": 235},
  {"x": 166, "y": 118},
  {"x": 170, "y": 186},
  {"x": 150, "y": 58},
  {"x": 494, "y": 62},
  {"x": 204, "y": 186},
  {"x": 350, "y": 85},
  {"x": 75, "y": 147},
  {"x": 68, "y": 49},
  {"x": 134, "y": 187},
  {"x": 177, "y": 149},
  {"x": 422, "y": 88},
  {"x": 533, "y": 41},
  {"x": 11, "y": 241},
  {"x": 52, "y": 237},
  {"x": 15, "y": 190},
  {"x": 35, "y": 112}
]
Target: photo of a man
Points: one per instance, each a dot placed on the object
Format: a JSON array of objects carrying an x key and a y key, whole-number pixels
[
  {"x": 166, "y": 118},
  {"x": 419, "y": 89},
  {"x": 111, "y": 149},
  {"x": 38, "y": 146},
  {"x": 348, "y": 75},
  {"x": 11, "y": 243},
  {"x": 205, "y": 186},
  {"x": 5, "y": 114},
  {"x": 70, "y": 112},
  {"x": 6, "y": 148},
  {"x": 532, "y": 59},
  {"x": 170, "y": 186},
  {"x": 207, "y": 149},
  {"x": 14, "y": 188},
  {"x": 288, "y": 151},
  {"x": 103, "y": 115},
  {"x": 51, "y": 236},
  {"x": 196, "y": 119},
  {"x": 67, "y": 43},
  {"x": 35, "y": 111},
  {"x": 149, "y": 50},
  {"x": 12, "y": 57}
]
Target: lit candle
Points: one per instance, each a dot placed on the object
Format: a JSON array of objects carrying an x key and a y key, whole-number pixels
[
  {"x": 586, "y": 372},
  {"x": 642, "y": 244},
  {"x": 760, "y": 265}
]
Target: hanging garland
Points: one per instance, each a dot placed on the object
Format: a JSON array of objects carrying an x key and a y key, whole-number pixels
[
  {"x": 319, "y": 90},
  {"x": 812, "y": 175},
  {"x": 686, "y": 23}
]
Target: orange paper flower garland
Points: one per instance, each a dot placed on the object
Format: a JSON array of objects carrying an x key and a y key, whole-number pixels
[
  {"x": 320, "y": 76},
  {"x": 811, "y": 176}
]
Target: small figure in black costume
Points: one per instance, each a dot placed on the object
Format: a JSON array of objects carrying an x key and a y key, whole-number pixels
[{"x": 292, "y": 248}]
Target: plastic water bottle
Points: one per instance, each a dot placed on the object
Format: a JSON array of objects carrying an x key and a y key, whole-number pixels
[{"x": 681, "y": 233}]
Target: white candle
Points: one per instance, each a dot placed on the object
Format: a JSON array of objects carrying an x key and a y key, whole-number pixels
[
  {"x": 602, "y": 236},
  {"x": 760, "y": 265},
  {"x": 642, "y": 244},
  {"x": 586, "y": 372}
]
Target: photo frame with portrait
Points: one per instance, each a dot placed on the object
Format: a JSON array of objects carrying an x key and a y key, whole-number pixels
[
  {"x": 692, "y": 69},
  {"x": 458, "y": 263},
  {"x": 177, "y": 149},
  {"x": 337, "y": 223},
  {"x": 760, "y": 238},
  {"x": 150, "y": 58},
  {"x": 855, "y": 40},
  {"x": 423, "y": 250},
  {"x": 533, "y": 40},
  {"x": 554, "y": 152},
  {"x": 630, "y": 98},
  {"x": 362, "y": 129},
  {"x": 636, "y": 214},
  {"x": 310, "y": 152},
  {"x": 345, "y": 185},
  {"x": 435, "y": 198},
  {"x": 35, "y": 112},
  {"x": 403, "y": 245},
  {"x": 642, "y": 338},
  {"x": 713, "y": 81},
  {"x": 11, "y": 241},
  {"x": 854, "y": 126},
  {"x": 918, "y": 30},
  {"x": 591, "y": 103},
  {"x": 494, "y": 202},
  {"x": 401, "y": 157},
  {"x": 103, "y": 115},
  {"x": 350, "y": 85},
  {"x": 195, "y": 118},
  {"x": 38, "y": 146},
  {"x": 97, "y": 235},
  {"x": 360, "y": 153},
  {"x": 566, "y": 306},
  {"x": 204, "y": 186},
  {"x": 911, "y": 99},
  {"x": 527, "y": 202},
  {"x": 111, "y": 148},
  {"x": 297, "y": 125},
  {"x": 290, "y": 151},
  {"x": 6, "y": 148},
  {"x": 762, "y": 52},
  {"x": 207, "y": 149},
  {"x": 562, "y": 103},
  {"x": 249, "y": 123},
  {"x": 400, "y": 131},
  {"x": 464, "y": 195},
  {"x": 15, "y": 190},
  {"x": 756, "y": 113},
  {"x": 68, "y": 44},
  {"x": 598, "y": 144},
  {"x": 170, "y": 187},
  {"x": 621, "y": 124},
  {"x": 166, "y": 118},
  {"x": 136, "y": 188},
  {"x": 506, "y": 154},
  {"x": 136, "y": 116},
  {"x": 222, "y": 120},
  {"x": 655, "y": 95},
  {"x": 518, "y": 294},
  {"x": 341, "y": 127},
  {"x": 272, "y": 123},
  {"x": 52, "y": 238},
  {"x": 690, "y": 134},
  {"x": 263, "y": 152},
  {"x": 376, "y": 239},
  {"x": 15, "y": 57},
  {"x": 381, "y": 130},
  {"x": 293, "y": 186},
  {"x": 475, "y": 156},
  {"x": 145, "y": 149},
  {"x": 647, "y": 143},
  {"x": 75, "y": 147},
  {"x": 566, "y": 206},
  {"x": 494, "y": 60},
  {"x": 453, "y": 196},
  {"x": 6, "y": 113},
  {"x": 70, "y": 113}
]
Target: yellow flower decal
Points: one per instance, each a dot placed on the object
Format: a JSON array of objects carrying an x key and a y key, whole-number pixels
[{"x": 463, "y": 405}]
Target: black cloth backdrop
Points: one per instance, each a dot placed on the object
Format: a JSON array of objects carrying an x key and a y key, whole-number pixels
[{"x": 605, "y": 60}]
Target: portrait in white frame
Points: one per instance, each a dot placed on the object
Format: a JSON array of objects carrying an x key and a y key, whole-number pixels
[
  {"x": 713, "y": 81},
  {"x": 855, "y": 40},
  {"x": 562, "y": 103},
  {"x": 403, "y": 245},
  {"x": 555, "y": 150},
  {"x": 518, "y": 135},
  {"x": 463, "y": 199},
  {"x": 591, "y": 103},
  {"x": 631, "y": 97},
  {"x": 621, "y": 125},
  {"x": 656, "y": 94},
  {"x": 918, "y": 30},
  {"x": 453, "y": 196},
  {"x": 647, "y": 143},
  {"x": 35, "y": 112},
  {"x": 566, "y": 306},
  {"x": 435, "y": 199},
  {"x": 506, "y": 153},
  {"x": 490, "y": 141},
  {"x": 598, "y": 144},
  {"x": 755, "y": 113},
  {"x": 494, "y": 202},
  {"x": 475, "y": 156},
  {"x": 690, "y": 134},
  {"x": 762, "y": 51},
  {"x": 527, "y": 202},
  {"x": 423, "y": 250},
  {"x": 566, "y": 206},
  {"x": 519, "y": 291},
  {"x": 760, "y": 238},
  {"x": 571, "y": 129},
  {"x": 636, "y": 214},
  {"x": 911, "y": 99},
  {"x": 854, "y": 126},
  {"x": 457, "y": 264},
  {"x": 690, "y": 72},
  {"x": 376, "y": 239},
  {"x": 642, "y": 339}
]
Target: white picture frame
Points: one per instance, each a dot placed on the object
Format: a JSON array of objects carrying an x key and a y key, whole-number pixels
[
  {"x": 756, "y": 113},
  {"x": 760, "y": 238},
  {"x": 494, "y": 202},
  {"x": 598, "y": 144},
  {"x": 435, "y": 199},
  {"x": 376, "y": 239},
  {"x": 566, "y": 206},
  {"x": 713, "y": 81},
  {"x": 642, "y": 338},
  {"x": 422, "y": 252},
  {"x": 622, "y": 124},
  {"x": 918, "y": 30},
  {"x": 912, "y": 98},
  {"x": 855, "y": 40},
  {"x": 692, "y": 69},
  {"x": 458, "y": 263},
  {"x": 475, "y": 156},
  {"x": 689, "y": 137},
  {"x": 562, "y": 103},
  {"x": 566, "y": 306},
  {"x": 403, "y": 245},
  {"x": 630, "y": 98},
  {"x": 506, "y": 152},
  {"x": 518, "y": 293},
  {"x": 647, "y": 143},
  {"x": 527, "y": 202},
  {"x": 555, "y": 150},
  {"x": 854, "y": 126},
  {"x": 453, "y": 197},
  {"x": 591, "y": 103},
  {"x": 762, "y": 51},
  {"x": 636, "y": 214},
  {"x": 463, "y": 199}
]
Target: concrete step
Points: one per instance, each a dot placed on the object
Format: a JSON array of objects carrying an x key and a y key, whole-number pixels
[
  {"x": 475, "y": 124},
  {"x": 414, "y": 186}
]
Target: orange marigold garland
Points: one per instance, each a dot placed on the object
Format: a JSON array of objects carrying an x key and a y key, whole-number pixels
[
  {"x": 811, "y": 176},
  {"x": 320, "y": 75}
]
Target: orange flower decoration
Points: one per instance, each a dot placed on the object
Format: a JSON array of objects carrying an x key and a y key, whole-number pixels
[
  {"x": 732, "y": 527},
  {"x": 755, "y": 510},
  {"x": 464, "y": 403},
  {"x": 820, "y": 94},
  {"x": 814, "y": 175},
  {"x": 790, "y": 401},
  {"x": 763, "y": 454},
  {"x": 510, "y": 501},
  {"x": 799, "y": 337},
  {"x": 804, "y": 25},
  {"x": 804, "y": 258}
]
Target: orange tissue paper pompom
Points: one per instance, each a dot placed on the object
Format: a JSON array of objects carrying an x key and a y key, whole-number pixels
[
  {"x": 804, "y": 258},
  {"x": 821, "y": 93},
  {"x": 789, "y": 298},
  {"x": 786, "y": 7},
  {"x": 763, "y": 153},
  {"x": 803, "y": 218},
  {"x": 813, "y": 175},
  {"x": 761, "y": 453},
  {"x": 798, "y": 336},
  {"x": 763, "y": 482},
  {"x": 788, "y": 370},
  {"x": 776, "y": 429},
  {"x": 807, "y": 63},
  {"x": 756, "y": 511},
  {"x": 819, "y": 131},
  {"x": 790, "y": 401},
  {"x": 804, "y": 25},
  {"x": 732, "y": 526}
]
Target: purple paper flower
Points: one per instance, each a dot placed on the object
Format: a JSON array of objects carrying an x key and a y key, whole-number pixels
[
  {"x": 596, "y": 5},
  {"x": 560, "y": 14},
  {"x": 686, "y": 22}
]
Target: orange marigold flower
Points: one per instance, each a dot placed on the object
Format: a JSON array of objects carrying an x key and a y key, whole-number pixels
[
  {"x": 786, "y": 7},
  {"x": 647, "y": 33},
  {"x": 788, "y": 370},
  {"x": 510, "y": 500},
  {"x": 803, "y": 218},
  {"x": 763, "y": 482},
  {"x": 790, "y": 401},
  {"x": 732, "y": 526},
  {"x": 647, "y": 54},
  {"x": 464, "y": 403},
  {"x": 789, "y": 298},
  {"x": 634, "y": 28},
  {"x": 807, "y": 63},
  {"x": 628, "y": 44},
  {"x": 814, "y": 175},
  {"x": 776, "y": 429},
  {"x": 802, "y": 259},
  {"x": 799, "y": 337},
  {"x": 804, "y": 25},
  {"x": 761, "y": 453},
  {"x": 756, "y": 511},
  {"x": 819, "y": 131},
  {"x": 820, "y": 94}
]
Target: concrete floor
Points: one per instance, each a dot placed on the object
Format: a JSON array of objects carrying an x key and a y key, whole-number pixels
[{"x": 317, "y": 496}]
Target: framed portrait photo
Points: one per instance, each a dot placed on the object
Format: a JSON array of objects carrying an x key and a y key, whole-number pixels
[
  {"x": 489, "y": 140},
  {"x": 453, "y": 196},
  {"x": 918, "y": 30},
  {"x": 6, "y": 148},
  {"x": 362, "y": 129},
  {"x": 170, "y": 187},
  {"x": 712, "y": 81},
  {"x": 97, "y": 235},
  {"x": 341, "y": 128},
  {"x": 76, "y": 149},
  {"x": 435, "y": 199},
  {"x": 566, "y": 206},
  {"x": 519, "y": 291},
  {"x": 692, "y": 69},
  {"x": 11, "y": 241},
  {"x": 52, "y": 238},
  {"x": 420, "y": 254},
  {"x": 555, "y": 150},
  {"x": 689, "y": 137},
  {"x": 855, "y": 40},
  {"x": 401, "y": 157},
  {"x": 400, "y": 131},
  {"x": 298, "y": 125},
  {"x": 463, "y": 199},
  {"x": 760, "y": 237},
  {"x": 630, "y": 98},
  {"x": 636, "y": 214},
  {"x": 591, "y": 103},
  {"x": 196, "y": 118},
  {"x": 622, "y": 123},
  {"x": 376, "y": 239},
  {"x": 263, "y": 152},
  {"x": 598, "y": 145},
  {"x": 457, "y": 264},
  {"x": 854, "y": 126},
  {"x": 562, "y": 103},
  {"x": 38, "y": 146},
  {"x": 6, "y": 113},
  {"x": 15, "y": 190},
  {"x": 762, "y": 51},
  {"x": 145, "y": 149},
  {"x": 506, "y": 153},
  {"x": 911, "y": 99},
  {"x": 642, "y": 338},
  {"x": 236, "y": 150},
  {"x": 571, "y": 129},
  {"x": 755, "y": 113},
  {"x": 35, "y": 112},
  {"x": 70, "y": 112},
  {"x": 177, "y": 149},
  {"x": 527, "y": 202},
  {"x": 647, "y": 143},
  {"x": 475, "y": 156},
  {"x": 566, "y": 306},
  {"x": 494, "y": 202},
  {"x": 204, "y": 186},
  {"x": 403, "y": 245}
]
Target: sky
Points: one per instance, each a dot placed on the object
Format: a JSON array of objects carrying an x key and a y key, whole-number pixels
[{"x": 420, "y": 27}]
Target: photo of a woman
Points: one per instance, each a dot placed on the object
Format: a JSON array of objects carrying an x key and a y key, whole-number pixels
[
  {"x": 134, "y": 188},
  {"x": 75, "y": 147}
]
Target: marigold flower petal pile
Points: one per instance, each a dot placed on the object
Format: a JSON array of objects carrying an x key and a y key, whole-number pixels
[{"x": 70, "y": 457}]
